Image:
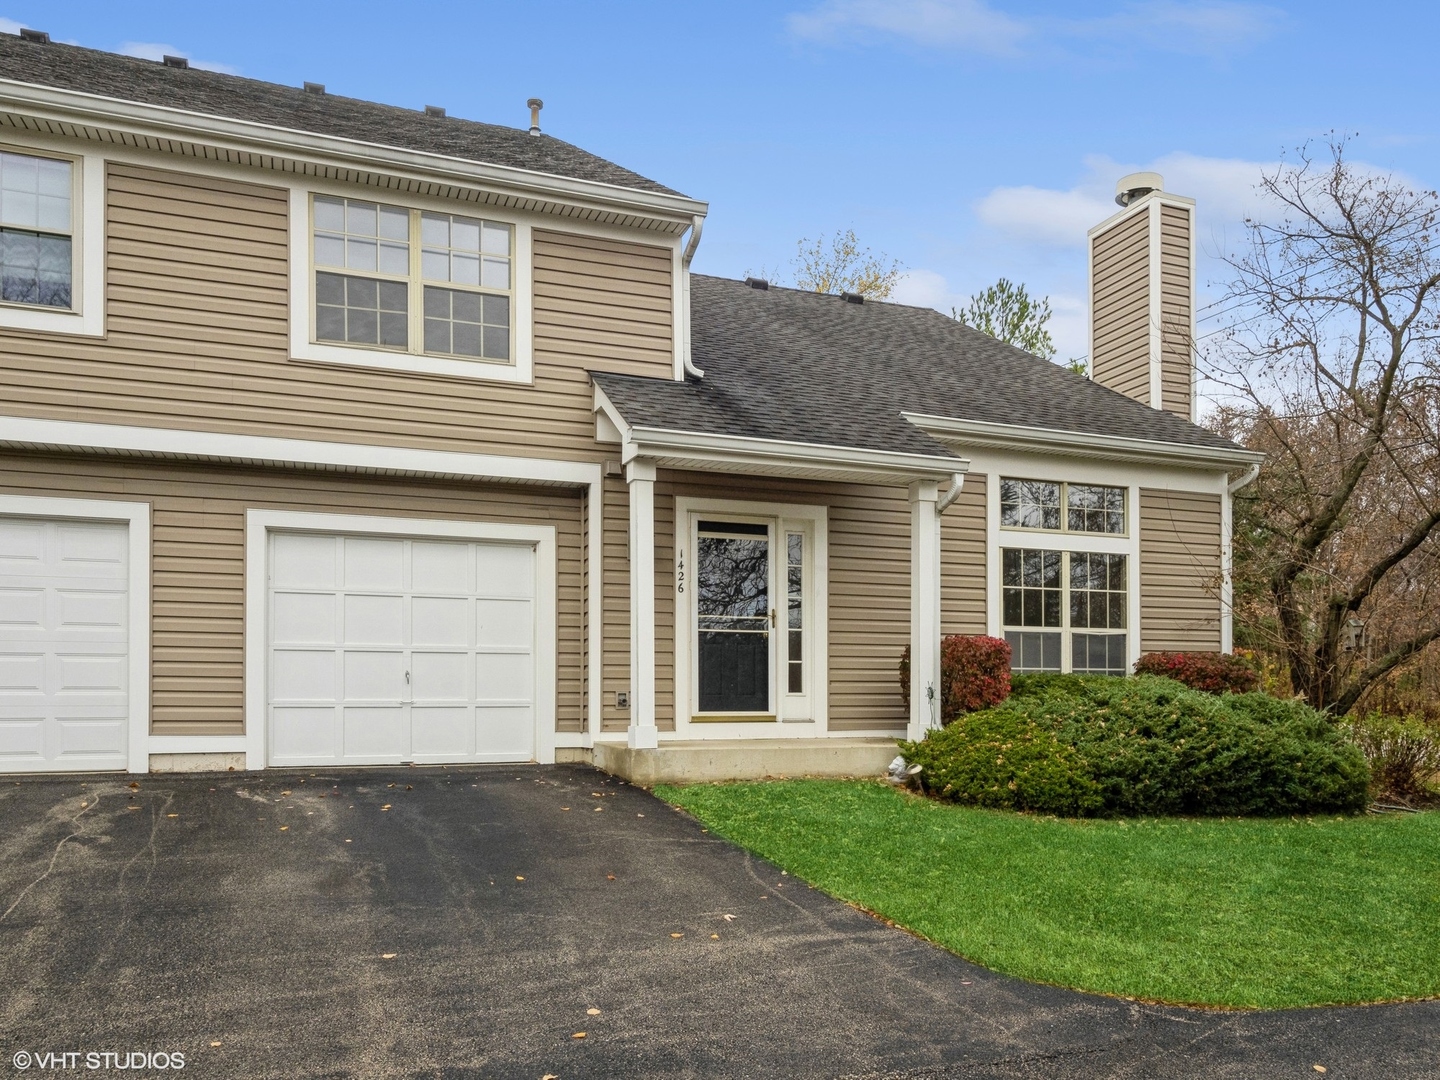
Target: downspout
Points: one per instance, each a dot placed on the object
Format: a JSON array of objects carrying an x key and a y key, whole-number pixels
[
  {"x": 697, "y": 225},
  {"x": 957, "y": 482},
  {"x": 1244, "y": 480}
]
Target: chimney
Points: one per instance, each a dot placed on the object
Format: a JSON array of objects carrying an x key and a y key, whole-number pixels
[
  {"x": 535, "y": 105},
  {"x": 1142, "y": 296}
]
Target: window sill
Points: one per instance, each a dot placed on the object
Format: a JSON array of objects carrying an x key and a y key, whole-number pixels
[
  {"x": 413, "y": 364},
  {"x": 733, "y": 718},
  {"x": 53, "y": 320}
]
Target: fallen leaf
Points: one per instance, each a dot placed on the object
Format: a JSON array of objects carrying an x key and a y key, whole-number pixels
[
  {"x": 519, "y": 878},
  {"x": 564, "y": 808},
  {"x": 389, "y": 785},
  {"x": 385, "y": 807},
  {"x": 172, "y": 815},
  {"x": 409, "y": 787},
  {"x": 215, "y": 1043},
  {"x": 609, "y": 877},
  {"x": 134, "y": 786},
  {"x": 677, "y": 935},
  {"x": 716, "y": 937},
  {"x": 597, "y": 809},
  {"x": 1318, "y": 1068},
  {"x": 83, "y": 805},
  {"x": 549, "y": 1076},
  {"x": 349, "y": 841},
  {"x": 284, "y": 827},
  {"x": 728, "y": 918},
  {"x": 639, "y": 815},
  {"x": 965, "y": 982},
  {"x": 388, "y": 955},
  {"x": 578, "y": 1035},
  {"x": 592, "y": 1012},
  {"x": 284, "y": 793}
]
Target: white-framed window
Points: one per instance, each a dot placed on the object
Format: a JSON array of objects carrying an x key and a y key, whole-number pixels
[
  {"x": 1061, "y": 506},
  {"x": 1065, "y": 610},
  {"x": 51, "y": 240},
  {"x": 750, "y": 613},
  {"x": 413, "y": 287}
]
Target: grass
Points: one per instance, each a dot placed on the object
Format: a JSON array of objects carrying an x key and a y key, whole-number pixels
[{"x": 1248, "y": 913}]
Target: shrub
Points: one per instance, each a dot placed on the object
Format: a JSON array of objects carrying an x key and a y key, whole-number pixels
[
  {"x": 1147, "y": 745},
  {"x": 1403, "y": 752},
  {"x": 974, "y": 674},
  {"x": 1214, "y": 673}
]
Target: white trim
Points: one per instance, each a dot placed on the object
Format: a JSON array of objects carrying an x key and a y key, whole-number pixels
[
  {"x": 87, "y": 230},
  {"x": 136, "y": 517},
  {"x": 243, "y": 137},
  {"x": 198, "y": 744},
  {"x": 925, "y": 690},
  {"x": 816, "y": 604},
  {"x": 983, "y": 433},
  {"x": 1154, "y": 255},
  {"x": 259, "y": 524},
  {"x": 640, "y": 480},
  {"x": 301, "y": 298}
]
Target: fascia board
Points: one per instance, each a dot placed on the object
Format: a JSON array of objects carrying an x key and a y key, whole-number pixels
[
  {"x": 606, "y": 408},
  {"x": 76, "y": 107},
  {"x": 1048, "y": 440},
  {"x": 740, "y": 451}
]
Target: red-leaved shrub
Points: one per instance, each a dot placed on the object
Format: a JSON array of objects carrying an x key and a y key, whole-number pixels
[
  {"x": 974, "y": 674},
  {"x": 1214, "y": 673}
]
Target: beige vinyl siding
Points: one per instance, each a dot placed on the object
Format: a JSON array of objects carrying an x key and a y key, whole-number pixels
[
  {"x": 615, "y": 602},
  {"x": 198, "y": 274},
  {"x": 962, "y": 561},
  {"x": 1177, "y": 317},
  {"x": 198, "y": 561},
  {"x": 1120, "y": 307},
  {"x": 1179, "y": 571}
]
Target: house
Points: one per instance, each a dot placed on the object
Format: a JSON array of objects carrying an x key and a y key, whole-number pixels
[{"x": 338, "y": 433}]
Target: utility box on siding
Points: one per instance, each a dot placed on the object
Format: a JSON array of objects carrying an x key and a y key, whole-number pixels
[{"x": 1142, "y": 296}]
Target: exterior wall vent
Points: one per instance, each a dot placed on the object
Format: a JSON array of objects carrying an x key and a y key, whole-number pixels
[
  {"x": 39, "y": 37},
  {"x": 434, "y": 110},
  {"x": 1142, "y": 296},
  {"x": 757, "y": 283},
  {"x": 175, "y": 62},
  {"x": 315, "y": 88}
]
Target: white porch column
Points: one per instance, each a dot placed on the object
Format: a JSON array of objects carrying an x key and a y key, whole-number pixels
[
  {"x": 924, "y": 610},
  {"x": 640, "y": 476}
]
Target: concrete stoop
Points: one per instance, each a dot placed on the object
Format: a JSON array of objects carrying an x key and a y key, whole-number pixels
[{"x": 705, "y": 761}]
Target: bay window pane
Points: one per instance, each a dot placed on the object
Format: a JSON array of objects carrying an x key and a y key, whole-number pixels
[
  {"x": 360, "y": 255},
  {"x": 465, "y": 234},
  {"x": 1095, "y": 508},
  {"x": 395, "y": 259},
  {"x": 329, "y": 214},
  {"x": 329, "y": 250},
  {"x": 394, "y": 223},
  {"x": 360, "y": 310},
  {"x": 495, "y": 239},
  {"x": 435, "y": 230},
  {"x": 360, "y": 218},
  {"x": 434, "y": 265},
  {"x": 465, "y": 269},
  {"x": 495, "y": 274}
]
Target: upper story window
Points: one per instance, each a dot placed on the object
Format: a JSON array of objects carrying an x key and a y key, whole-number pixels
[
  {"x": 36, "y": 231},
  {"x": 415, "y": 281},
  {"x": 1047, "y": 504}
]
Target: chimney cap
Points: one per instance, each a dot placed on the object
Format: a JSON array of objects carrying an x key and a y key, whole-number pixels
[
  {"x": 39, "y": 37},
  {"x": 175, "y": 61},
  {"x": 1137, "y": 185}
]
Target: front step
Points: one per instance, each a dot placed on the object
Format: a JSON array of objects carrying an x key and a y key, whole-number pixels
[{"x": 711, "y": 760}]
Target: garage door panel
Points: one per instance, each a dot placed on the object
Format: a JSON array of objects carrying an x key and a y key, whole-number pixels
[
  {"x": 374, "y": 620},
  {"x": 504, "y": 677},
  {"x": 298, "y": 560},
  {"x": 374, "y": 564},
  {"x": 440, "y": 567},
  {"x": 506, "y": 570},
  {"x": 301, "y": 735},
  {"x": 374, "y": 734},
  {"x": 304, "y": 618},
  {"x": 371, "y": 675},
  {"x": 445, "y": 733},
  {"x": 435, "y": 651},
  {"x": 64, "y": 649},
  {"x": 505, "y": 624},
  {"x": 304, "y": 675},
  {"x": 440, "y": 620}
]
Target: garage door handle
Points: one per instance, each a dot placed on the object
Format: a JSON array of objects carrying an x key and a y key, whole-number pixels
[{"x": 407, "y": 678}]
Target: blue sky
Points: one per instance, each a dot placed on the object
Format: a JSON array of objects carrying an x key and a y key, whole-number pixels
[{"x": 968, "y": 138}]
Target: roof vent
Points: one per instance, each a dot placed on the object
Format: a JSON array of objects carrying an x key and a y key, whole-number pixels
[
  {"x": 852, "y": 297},
  {"x": 534, "y": 105},
  {"x": 1137, "y": 186},
  {"x": 434, "y": 110},
  {"x": 39, "y": 37},
  {"x": 175, "y": 61},
  {"x": 757, "y": 283},
  {"x": 314, "y": 88}
]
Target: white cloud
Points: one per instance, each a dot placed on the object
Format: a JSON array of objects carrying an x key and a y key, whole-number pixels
[
  {"x": 9, "y": 26},
  {"x": 926, "y": 288},
  {"x": 1195, "y": 26},
  {"x": 157, "y": 50},
  {"x": 1069, "y": 327}
]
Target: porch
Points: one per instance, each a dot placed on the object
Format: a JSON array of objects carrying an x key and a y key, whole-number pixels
[{"x": 701, "y": 761}]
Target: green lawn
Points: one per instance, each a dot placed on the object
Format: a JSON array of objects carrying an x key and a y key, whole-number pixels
[{"x": 1261, "y": 913}]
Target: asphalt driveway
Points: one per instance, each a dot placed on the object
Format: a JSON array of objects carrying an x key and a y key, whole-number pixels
[{"x": 470, "y": 922}]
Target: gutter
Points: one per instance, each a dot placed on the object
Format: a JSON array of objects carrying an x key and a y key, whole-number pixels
[{"x": 697, "y": 226}]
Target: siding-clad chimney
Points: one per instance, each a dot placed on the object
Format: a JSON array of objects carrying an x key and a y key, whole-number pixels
[{"x": 1142, "y": 296}]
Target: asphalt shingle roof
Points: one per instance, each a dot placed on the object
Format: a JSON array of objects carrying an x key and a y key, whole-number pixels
[
  {"x": 812, "y": 368},
  {"x": 148, "y": 82}
]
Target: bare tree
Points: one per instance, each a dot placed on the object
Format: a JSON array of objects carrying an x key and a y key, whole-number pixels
[{"x": 1330, "y": 360}]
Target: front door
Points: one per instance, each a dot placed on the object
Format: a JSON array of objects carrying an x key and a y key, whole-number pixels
[{"x": 735, "y": 617}]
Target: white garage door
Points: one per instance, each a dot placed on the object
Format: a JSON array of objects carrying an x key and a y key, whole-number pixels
[
  {"x": 389, "y": 650},
  {"x": 63, "y": 645}
]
